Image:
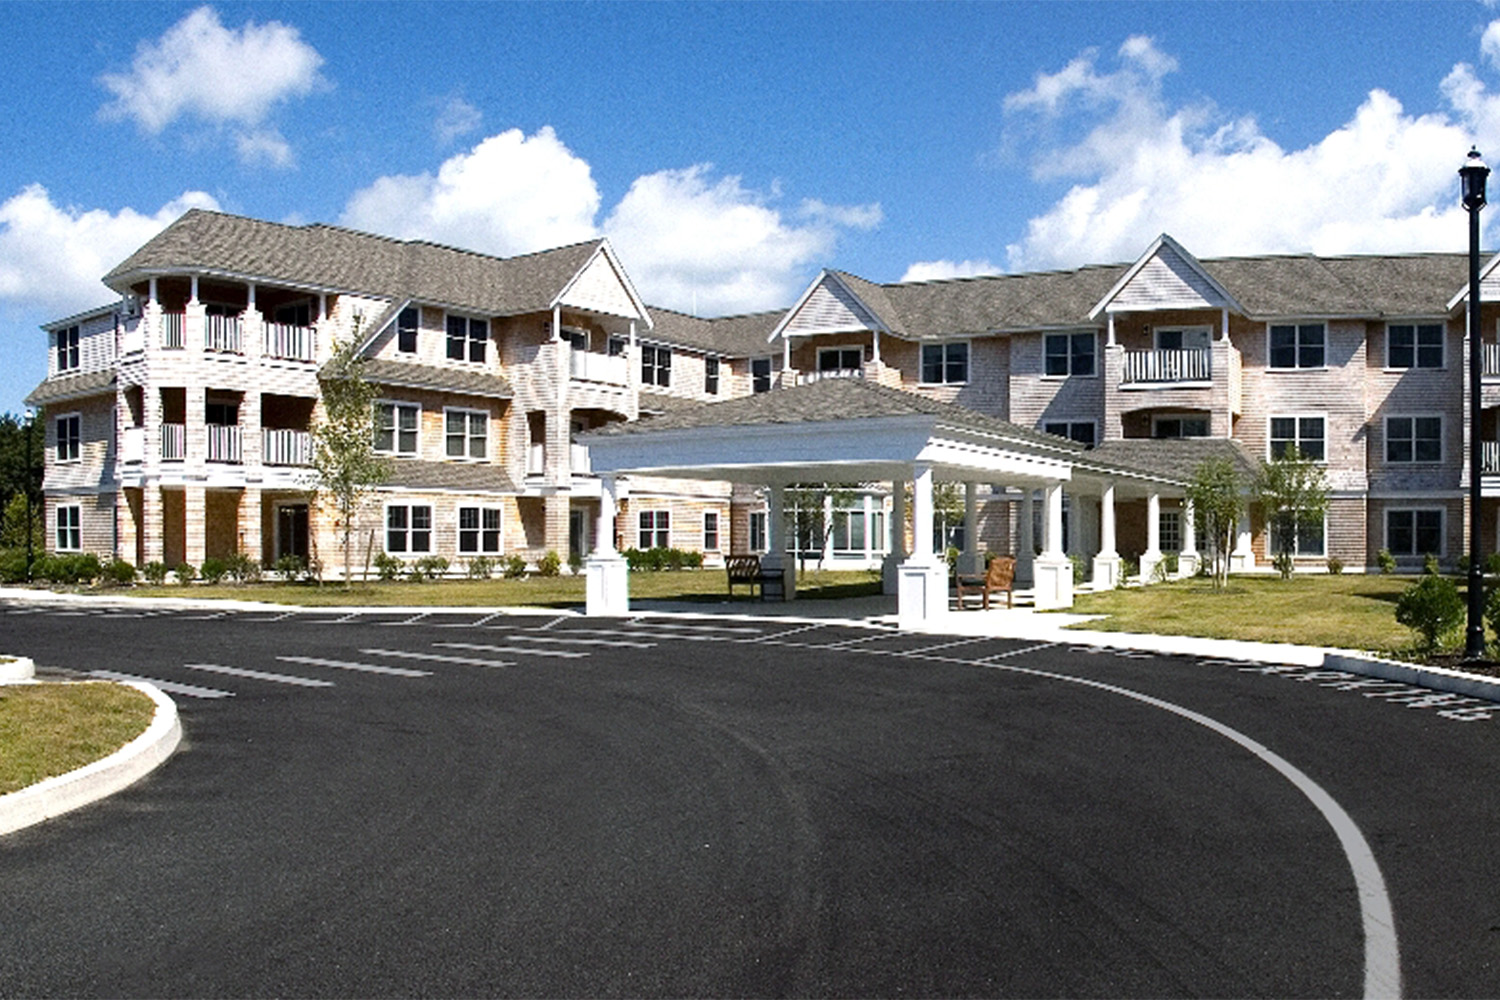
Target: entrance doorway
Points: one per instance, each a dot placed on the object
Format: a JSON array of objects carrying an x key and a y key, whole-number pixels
[
  {"x": 291, "y": 530},
  {"x": 577, "y": 533}
]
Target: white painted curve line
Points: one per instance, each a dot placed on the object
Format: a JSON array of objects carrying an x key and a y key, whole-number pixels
[
  {"x": 367, "y": 668},
  {"x": 171, "y": 687},
  {"x": 1382, "y": 953},
  {"x": 561, "y": 654},
  {"x": 469, "y": 661},
  {"x": 259, "y": 675}
]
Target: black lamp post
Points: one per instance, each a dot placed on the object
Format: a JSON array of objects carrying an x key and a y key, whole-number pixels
[{"x": 1473, "y": 175}]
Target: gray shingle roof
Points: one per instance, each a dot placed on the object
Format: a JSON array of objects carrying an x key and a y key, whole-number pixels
[
  {"x": 410, "y": 375},
  {"x": 1172, "y": 458},
  {"x": 411, "y": 473},
  {"x": 56, "y": 389},
  {"x": 740, "y": 336}
]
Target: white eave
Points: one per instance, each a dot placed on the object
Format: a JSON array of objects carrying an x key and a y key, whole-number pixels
[{"x": 1462, "y": 295}]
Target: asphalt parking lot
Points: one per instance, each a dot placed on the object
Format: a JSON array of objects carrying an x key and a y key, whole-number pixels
[{"x": 475, "y": 803}]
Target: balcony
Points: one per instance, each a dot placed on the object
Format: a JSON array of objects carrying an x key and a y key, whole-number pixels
[
  {"x": 280, "y": 446},
  {"x": 133, "y": 337},
  {"x": 223, "y": 442},
  {"x": 536, "y": 459},
  {"x": 1168, "y": 366},
  {"x": 172, "y": 325},
  {"x": 1490, "y": 360},
  {"x": 1489, "y": 457},
  {"x": 173, "y": 442},
  {"x": 222, "y": 335},
  {"x": 807, "y": 378},
  {"x": 587, "y": 366},
  {"x": 290, "y": 343},
  {"x": 578, "y": 458},
  {"x": 133, "y": 445}
]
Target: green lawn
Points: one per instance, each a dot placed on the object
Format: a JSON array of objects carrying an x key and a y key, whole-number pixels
[{"x": 50, "y": 729}]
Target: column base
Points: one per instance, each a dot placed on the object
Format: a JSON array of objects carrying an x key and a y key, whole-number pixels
[
  {"x": 1149, "y": 562},
  {"x": 1241, "y": 562},
  {"x": 770, "y": 563},
  {"x": 922, "y": 599},
  {"x": 890, "y": 574},
  {"x": 1053, "y": 587},
  {"x": 607, "y": 588},
  {"x": 1106, "y": 572},
  {"x": 1187, "y": 565}
]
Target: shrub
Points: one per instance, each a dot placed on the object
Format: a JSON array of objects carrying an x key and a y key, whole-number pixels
[
  {"x": 1385, "y": 561},
  {"x": 155, "y": 572},
  {"x": 675, "y": 558},
  {"x": 427, "y": 568},
  {"x": 575, "y": 560},
  {"x": 120, "y": 572},
  {"x": 1284, "y": 564},
  {"x": 1492, "y": 564},
  {"x": 1463, "y": 562},
  {"x": 185, "y": 573},
  {"x": 13, "y": 566},
  {"x": 243, "y": 569},
  {"x": 480, "y": 568},
  {"x": 289, "y": 567},
  {"x": 1431, "y": 608},
  {"x": 693, "y": 560},
  {"x": 387, "y": 566},
  {"x": 1491, "y": 611},
  {"x": 214, "y": 570},
  {"x": 1335, "y": 565},
  {"x": 550, "y": 564},
  {"x": 1129, "y": 566},
  {"x": 68, "y": 569},
  {"x": 1430, "y": 565},
  {"x": 1079, "y": 573},
  {"x": 515, "y": 567}
]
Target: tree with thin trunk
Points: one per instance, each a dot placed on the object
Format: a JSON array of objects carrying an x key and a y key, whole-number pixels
[
  {"x": 1292, "y": 491},
  {"x": 806, "y": 516},
  {"x": 346, "y": 467},
  {"x": 1218, "y": 497}
]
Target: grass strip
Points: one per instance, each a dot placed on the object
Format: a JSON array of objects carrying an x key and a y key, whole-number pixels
[{"x": 51, "y": 729}]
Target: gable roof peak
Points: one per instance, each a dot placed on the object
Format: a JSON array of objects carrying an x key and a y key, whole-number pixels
[{"x": 1197, "y": 282}]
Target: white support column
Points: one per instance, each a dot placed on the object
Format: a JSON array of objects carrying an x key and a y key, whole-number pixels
[
  {"x": 890, "y": 570},
  {"x": 1242, "y": 559},
  {"x": 875, "y": 339},
  {"x": 1151, "y": 558},
  {"x": 972, "y": 555},
  {"x": 921, "y": 514},
  {"x": 1053, "y": 569},
  {"x": 151, "y": 297},
  {"x": 1026, "y": 541},
  {"x": 923, "y": 598},
  {"x": 192, "y": 289},
  {"x": 1107, "y": 562},
  {"x": 1187, "y": 559},
  {"x": 608, "y": 584},
  {"x": 776, "y": 557},
  {"x": 556, "y": 324},
  {"x": 1110, "y": 338}
]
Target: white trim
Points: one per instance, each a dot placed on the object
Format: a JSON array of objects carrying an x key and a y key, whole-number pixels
[
  {"x": 718, "y": 545},
  {"x": 57, "y": 437},
  {"x": 468, "y": 438},
  {"x": 1164, "y": 240},
  {"x": 1417, "y": 324},
  {"x": 57, "y": 526},
  {"x": 385, "y": 530},
  {"x": 944, "y": 343},
  {"x": 459, "y": 529},
  {"x": 1385, "y": 442},
  {"x": 607, "y": 250},
  {"x": 1297, "y": 325},
  {"x": 1097, "y": 355},
  {"x": 396, "y": 429},
  {"x": 655, "y": 512},
  {"x": 878, "y": 327},
  {"x": 1462, "y": 295}
]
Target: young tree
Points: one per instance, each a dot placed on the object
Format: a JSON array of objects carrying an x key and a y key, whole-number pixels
[
  {"x": 806, "y": 516},
  {"x": 1293, "y": 493},
  {"x": 1217, "y": 495},
  {"x": 346, "y": 468}
]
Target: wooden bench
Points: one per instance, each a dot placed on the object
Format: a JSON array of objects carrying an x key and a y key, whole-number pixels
[
  {"x": 1000, "y": 575},
  {"x": 748, "y": 570}
]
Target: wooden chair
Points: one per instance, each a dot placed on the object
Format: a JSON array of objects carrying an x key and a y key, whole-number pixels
[{"x": 1000, "y": 575}]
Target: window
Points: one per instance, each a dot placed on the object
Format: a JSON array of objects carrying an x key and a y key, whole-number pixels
[
  {"x": 576, "y": 339},
  {"x": 1299, "y": 536},
  {"x": 1069, "y": 354},
  {"x": 760, "y": 374},
  {"x": 1414, "y": 532},
  {"x": 617, "y": 346},
  {"x": 221, "y": 414},
  {"x": 465, "y": 433},
  {"x": 849, "y": 530},
  {"x": 1303, "y": 433},
  {"x": 294, "y": 314},
  {"x": 757, "y": 537},
  {"x": 1298, "y": 345},
  {"x": 1179, "y": 426},
  {"x": 69, "y": 528},
  {"x": 1414, "y": 345},
  {"x": 1183, "y": 338},
  {"x": 945, "y": 363},
  {"x": 407, "y": 325},
  {"x": 1413, "y": 439},
  {"x": 840, "y": 359},
  {"x": 711, "y": 531},
  {"x": 1081, "y": 431},
  {"x": 656, "y": 366},
  {"x": 67, "y": 349},
  {"x": 69, "y": 437},
  {"x": 478, "y": 530},
  {"x": 466, "y": 338},
  {"x": 396, "y": 428},
  {"x": 711, "y": 376},
  {"x": 655, "y": 530},
  {"x": 408, "y": 528},
  {"x": 1169, "y": 530}
]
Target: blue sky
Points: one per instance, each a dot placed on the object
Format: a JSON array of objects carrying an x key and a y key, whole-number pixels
[{"x": 732, "y": 150}]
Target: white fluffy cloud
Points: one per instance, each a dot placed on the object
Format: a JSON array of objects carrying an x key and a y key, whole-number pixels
[
  {"x": 221, "y": 76},
  {"x": 52, "y": 256},
  {"x": 456, "y": 117},
  {"x": 940, "y": 270},
  {"x": 1385, "y": 180}
]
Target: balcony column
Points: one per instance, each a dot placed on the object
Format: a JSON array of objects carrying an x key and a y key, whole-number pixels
[
  {"x": 195, "y": 429},
  {"x": 250, "y": 540},
  {"x": 1242, "y": 559},
  {"x": 607, "y": 588},
  {"x": 252, "y": 436},
  {"x": 890, "y": 570},
  {"x": 194, "y": 319},
  {"x": 152, "y": 528},
  {"x": 971, "y": 555},
  {"x": 1026, "y": 540},
  {"x": 923, "y": 591},
  {"x": 1107, "y": 562},
  {"x": 1187, "y": 559},
  {"x": 776, "y": 558},
  {"x": 1053, "y": 570},
  {"x": 1151, "y": 558},
  {"x": 151, "y": 326}
]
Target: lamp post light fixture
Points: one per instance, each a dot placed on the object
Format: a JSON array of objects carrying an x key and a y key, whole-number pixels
[{"x": 1473, "y": 175}]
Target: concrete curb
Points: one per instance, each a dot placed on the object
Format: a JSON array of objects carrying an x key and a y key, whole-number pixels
[
  {"x": 127, "y": 765},
  {"x": 1437, "y": 678},
  {"x": 15, "y": 669}
]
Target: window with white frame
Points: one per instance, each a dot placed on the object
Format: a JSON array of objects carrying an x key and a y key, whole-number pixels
[
  {"x": 1298, "y": 345},
  {"x": 1179, "y": 425},
  {"x": 576, "y": 339},
  {"x": 757, "y": 539},
  {"x": 945, "y": 364},
  {"x": 408, "y": 529},
  {"x": 69, "y": 528},
  {"x": 1169, "y": 530},
  {"x": 1306, "y": 434},
  {"x": 711, "y": 376},
  {"x": 407, "y": 325},
  {"x": 1298, "y": 535},
  {"x": 760, "y": 374},
  {"x": 467, "y": 338},
  {"x": 67, "y": 349},
  {"x": 656, "y": 366},
  {"x": 1069, "y": 354},
  {"x": 69, "y": 437},
  {"x": 617, "y": 346},
  {"x": 478, "y": 530},
  {"x": 840, "y": 359},
  {"x": 1414, "y": 532},
  {"x": 655, "y": 529},
  {"x": 1081, "y": 431},
  {"x": 1414, "y": 345},
  {"x": 711, "y": 531},
  {"x": 849, "y": 530},
  {"x": 396, "y": 428},
  {"x": 1413, "y": 439},
  {"x": 465, "y": 433}
]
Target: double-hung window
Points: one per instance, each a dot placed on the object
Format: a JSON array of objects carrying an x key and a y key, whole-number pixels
[
  {"x": 69, "y": 528},
  {"x": 1306, "y": 434},
  {"x": 711, "y": 376},
  {"x": 67, "y": 349},
  {"x": 1069, "y": 354},
  {"x": 69, "y": 437},
  {"x": 840, "y": 359},
  {"x": 1414, "y": 345},
  {"x": 1414, "y": 532},
  {"x": 757, "y": 539},
  {"x": 465, "y": 433},
  {"x": 478, "y": 530},
  {"x": 760, "y": 374},
  {"x": 1298, "y": 535},
  {"x": 408, "y": 528},
  {"x": 656, "y": 366},
  {"x": 1298, "y": 345},
  {"x": 396, "y": 428},
  {"x": 1179, "y": 426},
  {"x": 655, "y": 529},
  {"x": 1413, "y": 439},
  {"x": 945, "y": 363},
  {"x": 711, "y": 531},
  {"x": 849, "y": 530},
  {"x": 467, "y": 337},
  {"x": 1081, "y": 431},
  {"x": 407, "y": 325}
]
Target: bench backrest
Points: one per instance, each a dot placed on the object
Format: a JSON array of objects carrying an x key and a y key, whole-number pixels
[{"x": 742, "y": 566}]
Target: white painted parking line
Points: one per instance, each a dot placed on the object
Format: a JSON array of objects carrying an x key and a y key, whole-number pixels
[
  {"x": 655, "y": 623},
  {"x": 479, "y": 624},
  {"x": 957, "y": 642},
  {"x": 625, "y": 643},
  {"x": 170, "y": 687},
  {"x": 70, "y": 614},
  {"x": 205, "y": 618},
  {"x": 1016, "y": 652},
  {"x": 556, "y": 621},
  {"x": 259, "y": 675},
  {"x": 470, "y": 661},
  {"x": 413, "y": 620},
  {"x": 562, "y": 654},
  {"x": 846, "y": 643},
  {"x": 776, "y": 637},
  {"x": 367, "y": 668}
]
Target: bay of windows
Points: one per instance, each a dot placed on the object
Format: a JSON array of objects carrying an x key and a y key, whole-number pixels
[
  {"x": 67, "y": 349},
  {"x": 1081, "y": 431},
  {"x": 711, "y": 376},
  {"x": 710, "y": 531},
  {"x": 840, "y": 359},
  {"x": 760, "y": 374},
  {"x": 407, "y": 325}
]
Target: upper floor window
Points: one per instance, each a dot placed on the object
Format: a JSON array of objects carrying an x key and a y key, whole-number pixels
[
  {"x": 465, "y": 432},
  {"x": 617, "y": 346},
  {"x": 1413, "y": 439},
  {"x": 67, "y": 349},
  {"x": 576, "y": 339},
  {"x": 760, "y": 374},
  {"x": 945, "y": 363},
  {"x": 711, "y": 376},
  {"x": 840, "y": 359},
  {"x": 294, "y": 314},
  {"x": 1298, "y": 345},
  {"x": 407, "y": 325},
  {"x": 466, "y": 338},
  {"x": 1069, "y": 354},
  {"x": 408, "y": 528},
  {"x": 69, "y": 437},
  {"x": 1414, "y": 345},
  {"x": 1306, "y": 434},
  {"x": 1179, "y": 426},
  {"x": 396, "y": 428},
  {"x": 69, "y": 528},
  {"x": 1081, "y": 431},
  {"x": 656, "y": 366}
]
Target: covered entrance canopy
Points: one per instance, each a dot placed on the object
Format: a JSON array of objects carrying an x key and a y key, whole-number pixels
[{"x": 850, "y": 430}]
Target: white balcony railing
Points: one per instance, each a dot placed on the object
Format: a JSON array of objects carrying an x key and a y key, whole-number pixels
[
  {"x": 806, "y": 378},
  {"x": 587, "y": 366},
  {"x": 1489, "y": 456},
  {"x": 223, "y": 442},
  {"x": 536, "y": 459},
  {"x": 292, "y": 343},
  {"x": 578, "y": 456},
  {"x": 171, "y": 330},
  {"x": 1491, "y": 360},
  {"x": 1189, "y": 364},
  {"x": 222, "y": 334},
  {"x": 133, "y": 445},
  {"x": 173, "y": 442},
  {"x": 280, "y": 446}
]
